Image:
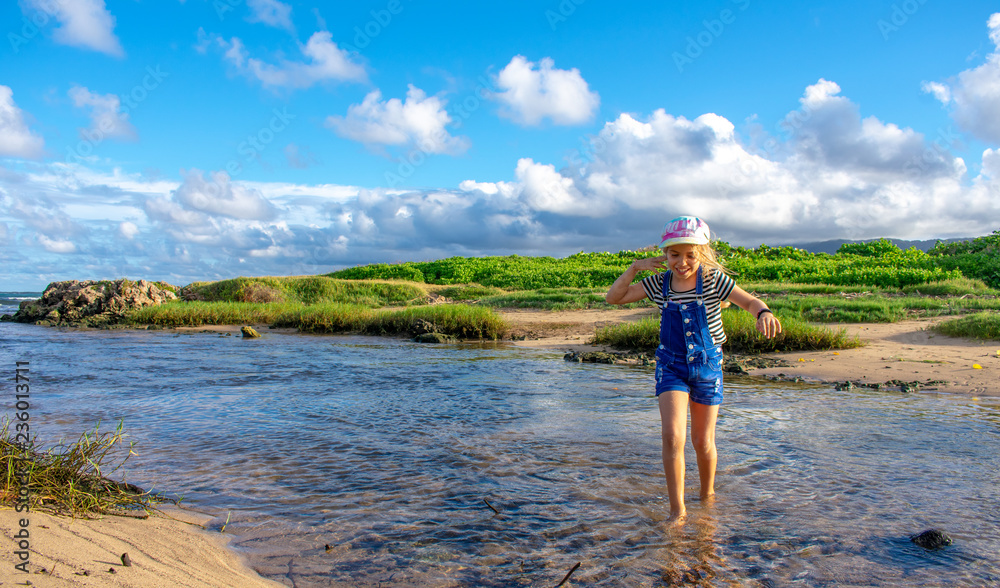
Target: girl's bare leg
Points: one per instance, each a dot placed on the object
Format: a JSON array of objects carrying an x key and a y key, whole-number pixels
[
  {"x": 673, "y": 420},
  {"x": 703, "y": 418}
]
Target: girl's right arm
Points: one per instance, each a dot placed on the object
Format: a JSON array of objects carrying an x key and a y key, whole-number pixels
[{"x": 623, "y": 290}]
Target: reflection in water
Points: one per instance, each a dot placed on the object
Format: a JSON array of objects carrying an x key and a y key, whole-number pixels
[{"x": 350, "y": 461}]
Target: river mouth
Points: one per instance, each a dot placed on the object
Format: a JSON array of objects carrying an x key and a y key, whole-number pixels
[{"x": 356, "y": 461}]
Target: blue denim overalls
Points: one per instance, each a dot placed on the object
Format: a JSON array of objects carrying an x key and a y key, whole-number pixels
[{"x": 687, "y": 349}]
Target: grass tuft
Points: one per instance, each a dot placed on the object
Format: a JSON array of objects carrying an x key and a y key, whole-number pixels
[
  {"x": 952, "y": 287},
  {"x": 72, "y": 479},
  {"x": 981, "y": 325}
]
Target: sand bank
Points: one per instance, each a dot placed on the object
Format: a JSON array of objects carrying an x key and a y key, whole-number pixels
[{"x": 162, "y": 551}]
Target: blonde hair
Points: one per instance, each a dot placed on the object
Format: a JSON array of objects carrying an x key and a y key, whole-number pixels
[{"x": 706, "y": 256}]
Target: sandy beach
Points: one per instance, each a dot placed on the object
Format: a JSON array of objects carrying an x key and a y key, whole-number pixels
[{"x": 163, "y": 551}]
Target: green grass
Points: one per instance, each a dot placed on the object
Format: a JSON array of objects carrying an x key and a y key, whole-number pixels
[
  {"x": 832, "y": 309},
  {"x": 193, "y": 314},
  {"x": 784, "y": 288},
  {"x": 460, "y": 320},
  {"x": 741, "y": 332},
  {"x": 875, "y": 308},
  {"x": 953, "y": 287},
  {"x": 72, "y": 479},
  {"x": 796, "y": 335},
  {"x": 555, "y": 299},
  {"x": 469, "y": 292},
  {"x": 981, "y": 325},
  {"x": 309, "y": 290},
  {"x": 540, "y": 298}
]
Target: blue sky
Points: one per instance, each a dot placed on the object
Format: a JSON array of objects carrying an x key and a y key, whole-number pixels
[{"x": 205, "y": 139}]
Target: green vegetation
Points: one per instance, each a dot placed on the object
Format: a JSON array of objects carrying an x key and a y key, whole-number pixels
[
  {"x": 978, "y": 258},
  {"x": 862, "y": 282},
  {"x": 460, "y": 320},
  {"x": 307, "y": 290},
  {"x": 514, "y": 272},
  {"x": 71, "y": 479},
  {"x": 982, "y": 325},
  {"x": 876, "y": 264},
  {"x": 469, "y": 292},
  {"x": 193, "y": 314},
  {"x": 555, "y": 299},
  {"x": 741, "y": 332}
]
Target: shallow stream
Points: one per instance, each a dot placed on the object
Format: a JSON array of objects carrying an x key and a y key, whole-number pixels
[{"x": 388, "y": 452}]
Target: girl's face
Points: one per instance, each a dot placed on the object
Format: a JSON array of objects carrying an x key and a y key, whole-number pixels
[{"x": 682, "y": 260}]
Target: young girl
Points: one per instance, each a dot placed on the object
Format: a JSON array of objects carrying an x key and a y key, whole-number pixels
[{"x": 689, "y": 359}]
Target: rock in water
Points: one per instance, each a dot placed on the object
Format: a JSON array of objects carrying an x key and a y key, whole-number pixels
[
  {"x": 932, "y": 539},
  {"x": 249, "y": 332},
  {"x": 435, "y": 338}
]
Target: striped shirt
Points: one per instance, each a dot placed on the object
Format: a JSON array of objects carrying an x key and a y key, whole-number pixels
[{"x": 716, "y": 287}]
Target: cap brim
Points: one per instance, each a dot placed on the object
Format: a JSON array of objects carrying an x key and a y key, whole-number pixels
[{"x": 682, "y": 241}]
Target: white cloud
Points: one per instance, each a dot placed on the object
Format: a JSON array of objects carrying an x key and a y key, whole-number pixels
[
  {"x": 16, "y": 139},
  {"x": 940, "y": 91},
  {"x": 128, "y": 229},
  {"x": 272, "y": 13},
  {"x": 828, "y": 172},
  {"x": 974, "y": 94},
  {"x": 546, "y": 190},
  {"x": 531, "y": 95},
  {"x": 420, "y": 122},
  {"x": 56, "y": 245},
  {"x": 218, "y": 196},
  {"x": 84, "y": 23},
  {"x": 324, "y": 61},
  {"x": 106, "y": 120},
  {"x": 484, "y": 187}
]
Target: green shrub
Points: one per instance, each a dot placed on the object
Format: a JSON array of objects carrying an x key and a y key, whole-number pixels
[{"x": 977, "y": 259}]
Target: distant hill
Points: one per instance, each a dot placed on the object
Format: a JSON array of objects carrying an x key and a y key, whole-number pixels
[{"x": 833, "y": 245}]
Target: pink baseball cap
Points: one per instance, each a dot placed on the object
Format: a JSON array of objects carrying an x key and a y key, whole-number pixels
[{"x": 685, "y": 229}]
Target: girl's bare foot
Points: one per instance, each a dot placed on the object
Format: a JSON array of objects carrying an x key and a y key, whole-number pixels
[{"x": 677, "y": 516}]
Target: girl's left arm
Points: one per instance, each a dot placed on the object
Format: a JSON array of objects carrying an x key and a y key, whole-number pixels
[{"x": 767, "y": 323}]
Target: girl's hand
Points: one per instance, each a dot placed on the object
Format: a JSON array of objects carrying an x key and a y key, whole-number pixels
[
  {"x": 768, "y": 325},
  {"x": 650, "y": 264}
]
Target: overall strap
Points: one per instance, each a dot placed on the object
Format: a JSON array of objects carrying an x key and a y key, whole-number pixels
[
  {"x": 665, "y": 287},
  {"x": 698, "y": 288}
]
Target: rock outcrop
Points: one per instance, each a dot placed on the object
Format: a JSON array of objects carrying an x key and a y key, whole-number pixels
[{"x": 92, "y": 303}]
